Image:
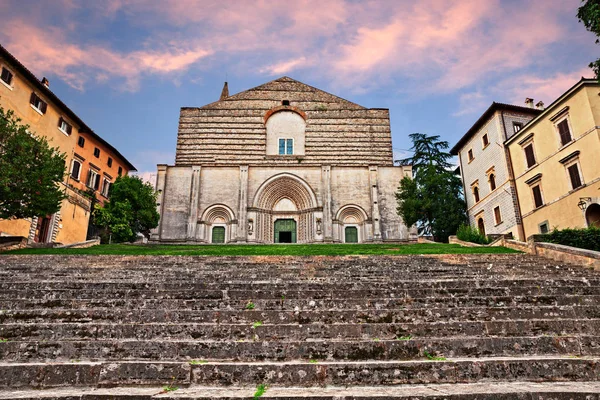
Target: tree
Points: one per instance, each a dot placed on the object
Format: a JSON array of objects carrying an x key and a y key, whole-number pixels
[
  {"x": 589, "y": 14},
  {"x": 30, "y": 171},
  {"x": 131, "y": 209},
  {"x": 433, "y": 198}
]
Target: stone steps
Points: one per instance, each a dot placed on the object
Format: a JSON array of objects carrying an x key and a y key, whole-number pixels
[
  {"x": 321, "y": 349},
  {"x": 469, "y": 391},
  {"x": 290, "y": 316},
  {"x": 457, "y": 326}
]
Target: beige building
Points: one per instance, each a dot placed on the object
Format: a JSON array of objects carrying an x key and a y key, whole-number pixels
[
  {"x": 92, "y": 163},
  {"x": 281, "y": 163},
  {"x": 556, "y": 162}
]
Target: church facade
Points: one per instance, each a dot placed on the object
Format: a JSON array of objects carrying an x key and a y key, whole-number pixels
[{"x": 283, "y": 162}]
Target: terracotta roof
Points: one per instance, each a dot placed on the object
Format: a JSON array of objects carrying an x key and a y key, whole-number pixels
[{"x": 83, "y": 128}]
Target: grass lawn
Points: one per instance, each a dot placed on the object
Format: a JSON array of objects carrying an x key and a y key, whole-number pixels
[{"x": 270, "y": 250}]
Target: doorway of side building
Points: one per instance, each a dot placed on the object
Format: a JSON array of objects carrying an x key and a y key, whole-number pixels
[
  {"x": 481, "y": 226},
  {"x": 42, "y": 229},
  {"x": 351, "y": 234},
  {"x": 592, "y": 215},
  {"x": 285, "y": 231},
  {"x": 218, "y": 234}
]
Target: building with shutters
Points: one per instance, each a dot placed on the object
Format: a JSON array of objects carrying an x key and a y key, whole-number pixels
[
  {"x": 486, "y": 171},
  {"x": 92, "y": 164},
  {"x": 283, "y": 162},
  {"x": 555, "y": 159}
]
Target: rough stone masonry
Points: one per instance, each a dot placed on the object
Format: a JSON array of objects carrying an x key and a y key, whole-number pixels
[{"x": 281, "y": 163}]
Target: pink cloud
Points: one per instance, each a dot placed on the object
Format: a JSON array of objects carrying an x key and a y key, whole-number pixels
[{"x": 284, "y": 67}]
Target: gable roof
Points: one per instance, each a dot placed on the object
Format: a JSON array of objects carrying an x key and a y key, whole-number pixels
[
  {"x": 275, "y": 86},
  {"x": 39, "y": 86},
  {"x": 486, "y": 116}
]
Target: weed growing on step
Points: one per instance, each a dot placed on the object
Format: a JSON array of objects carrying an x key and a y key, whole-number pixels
[
  {"x": 431, "y": 357},
  {"x": 313, "y": 361},
  {"x": 170, "y": 387},
  {"x": 257, "y": 324},
  {"x": 404, "y": 338},
  {"x": 198, "y": 362},
  {"x": 250, "y": 306},
  {"x": 2, "y": 340},
  {"x": 376, "y": 339},
  {"x": 260, "y": 390}
]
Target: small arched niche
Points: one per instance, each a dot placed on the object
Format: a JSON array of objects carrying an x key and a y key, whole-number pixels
[{"x": 285, "y": 133}]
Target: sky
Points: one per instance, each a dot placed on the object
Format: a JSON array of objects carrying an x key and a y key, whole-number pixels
[{"x": 127, "y": 66}]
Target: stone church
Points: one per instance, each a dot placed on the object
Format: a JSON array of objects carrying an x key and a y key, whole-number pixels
[{"x": 283, "y": 162}]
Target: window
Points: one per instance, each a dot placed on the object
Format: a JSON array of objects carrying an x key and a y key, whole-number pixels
[
  {"x": 109, "y": 162},
  {"x": 476, "y": 194},
  {"x": 564, "y": 131},
  {"x": 96, "y": 152},
  {"x": 286, "y": 146},
  {"x": 544, "y": 227},
  {"x": 470, "y": 153},
  {"x": 120, "y": 171},
  {"x": 517, "y": 126},
  {"x": 81, "y": 141},
  {"x": 6, "y": 76},
  {"x": 492, "y": 180},
  {"x": 529, "y": 155},
  {"x": 485, "y": 140},
  {"x": 574, "y": 176},
  {"x": 93, "y": 181},
  {"x": 285, "y": 102},
  {"x": 75, "y": 169},
  {"x": 38, "y": 103},
  {"x": 64, "y": 126},
  {"x": 105, "y": 187},
  {"x": 537, "y": 196},
  {"x": 497, "y": 215}
]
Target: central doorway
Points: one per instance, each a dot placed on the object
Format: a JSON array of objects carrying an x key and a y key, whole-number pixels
[{"x": 285, "y": 231}]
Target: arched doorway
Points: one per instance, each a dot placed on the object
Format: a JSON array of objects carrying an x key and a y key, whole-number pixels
[
  {"x": 481, "y": 226},
  {"x": 351, "y": 221},
  {"x": 217, "y": 224},
  {"x": 285, "y": 231},
  {"x": 592, "y": 215}
]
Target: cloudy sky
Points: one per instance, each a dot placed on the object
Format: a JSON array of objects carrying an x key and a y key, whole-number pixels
[{"x": 127, "y": 66}]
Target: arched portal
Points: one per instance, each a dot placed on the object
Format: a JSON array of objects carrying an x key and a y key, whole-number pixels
[
  {"x": 217, "y": 223},
  {"x": 592, "y": 215},
  {"x": 285, "y": 197},
  {"x": 350, "y": 220}
]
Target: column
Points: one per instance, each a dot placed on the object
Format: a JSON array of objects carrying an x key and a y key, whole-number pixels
[
  {"x": 327, "y": 225},
  {"x": 194, "y": 199},
  {"x": 242, "y": 235},
  {"x": 373, "y": 172}
]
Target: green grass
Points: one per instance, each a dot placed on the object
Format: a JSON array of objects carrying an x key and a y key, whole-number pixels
[{"x": 269, "y": 250}]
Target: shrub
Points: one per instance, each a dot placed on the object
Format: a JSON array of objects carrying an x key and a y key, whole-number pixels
[
  {"x": 469, "y": 234},
  {"x": 588, "y": 238}
]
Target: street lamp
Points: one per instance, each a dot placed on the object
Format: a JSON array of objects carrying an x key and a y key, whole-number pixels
[{"x": 583, "y": 202}]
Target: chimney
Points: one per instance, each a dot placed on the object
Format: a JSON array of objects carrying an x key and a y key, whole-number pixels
[
  {"x": 224, "y": 92},
  {"x": 529, "y": 102},
  {"x": 45, "y": 82},
  {"x": 540, "y": 105}
]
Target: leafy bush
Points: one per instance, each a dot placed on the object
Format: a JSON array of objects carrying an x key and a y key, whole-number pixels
[
  {"x": 588, "y": 238},
  {"x": 469, "y": 234}
]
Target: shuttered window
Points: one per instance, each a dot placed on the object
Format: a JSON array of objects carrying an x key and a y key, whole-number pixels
[
  {"x": 492, "y": 182},
  {"x": 75, "y": 169},
  {"x": 7, "y": 76},
  {"x": 529, "y": 155},
  {"x": 497, "y": 215},
  {"x": 574, "y": 175},
  {"x": 64, "y": 126},
  {"x": 537, "y": 196},
  {"x": 38, "y": 103},
  {"x": 564, "y": 132}
]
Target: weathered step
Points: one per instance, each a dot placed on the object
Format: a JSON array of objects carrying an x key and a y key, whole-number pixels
[
  {"x": 266, "y": 293},
  {"x": 249, "y": 314},
  {"x": 304, "y": 304},
  {"x": 406, "y": 348},
  {"x": 107, "y": 374},
  {"x": 469, "y": 391},
  {"x": 56, "y": 331}
]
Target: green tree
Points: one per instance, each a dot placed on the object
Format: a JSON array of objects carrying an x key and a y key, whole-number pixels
[
  {"x": 589, "y": 14},
  {"x": 131, "y": 209},
  {"x": 30, "y": 171},
  {"x": 433, "y": 198}
]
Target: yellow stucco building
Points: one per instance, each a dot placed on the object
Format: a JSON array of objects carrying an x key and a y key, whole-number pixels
[
  {"x": 556, "y": 162},
  {"x": 91, "y": 162}
]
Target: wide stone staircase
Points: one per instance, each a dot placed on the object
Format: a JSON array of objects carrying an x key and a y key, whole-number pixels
[{"x": 488, "y": 326}]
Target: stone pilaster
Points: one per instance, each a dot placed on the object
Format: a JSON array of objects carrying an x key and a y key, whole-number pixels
[
  {"x": 327, "y": 223},
  {"x": 242, "y": 235},
  {"x": 375, "y": 214},
  {"x": 161, "y": 181},
  {"x": 194, "y": 198}
]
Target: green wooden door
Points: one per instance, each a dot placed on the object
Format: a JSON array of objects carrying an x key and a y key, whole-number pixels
[
  {"x": 351, "y": 234},
  {"x": 285, "y": 231},
  {"x": 218, "y": 234}
]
